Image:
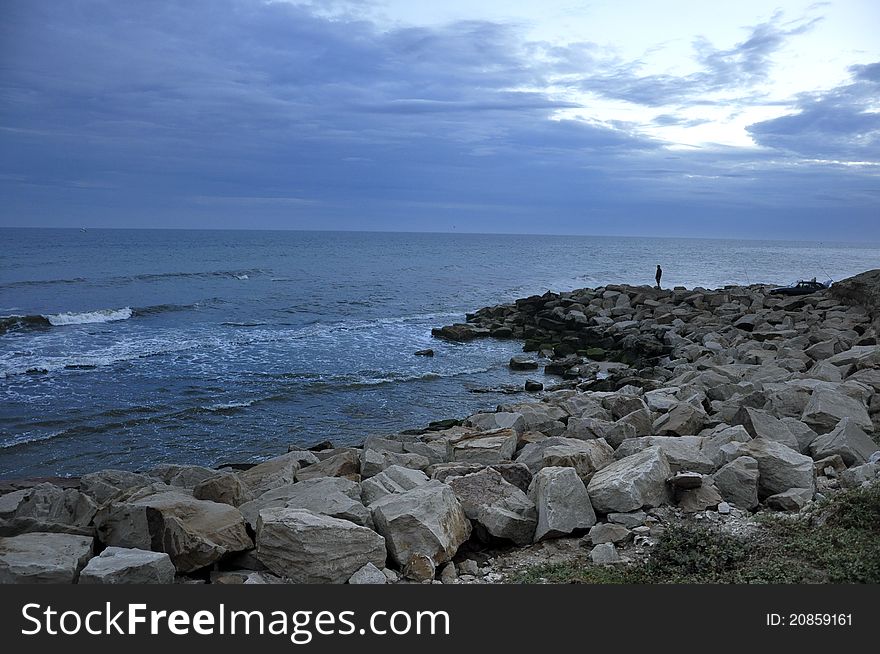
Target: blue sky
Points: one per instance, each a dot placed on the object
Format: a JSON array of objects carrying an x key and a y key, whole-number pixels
[{"x": 747, "y": 119}]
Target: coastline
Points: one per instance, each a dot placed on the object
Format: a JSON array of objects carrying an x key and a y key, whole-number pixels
[{"x": 672, "y": 406}]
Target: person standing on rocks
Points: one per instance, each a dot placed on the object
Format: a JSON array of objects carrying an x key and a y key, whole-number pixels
[{"x": 658, "y": 275}]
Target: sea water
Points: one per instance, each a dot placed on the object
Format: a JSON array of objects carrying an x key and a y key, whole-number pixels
[{"x": 129, "y": 348}]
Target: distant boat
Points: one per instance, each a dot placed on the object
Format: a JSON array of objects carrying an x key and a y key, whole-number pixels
[{"x": 82, "y": 229}]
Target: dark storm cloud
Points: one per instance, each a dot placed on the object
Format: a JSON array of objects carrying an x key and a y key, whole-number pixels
[{"x": 239, "y": 113}]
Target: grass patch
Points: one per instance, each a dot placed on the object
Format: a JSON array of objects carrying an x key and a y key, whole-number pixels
[{"x": 837, "y": 542}]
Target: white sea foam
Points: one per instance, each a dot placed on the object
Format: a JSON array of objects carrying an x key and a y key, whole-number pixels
[
  {"x": 225, "y": 406},
  {"x": 88, "y": 317}
]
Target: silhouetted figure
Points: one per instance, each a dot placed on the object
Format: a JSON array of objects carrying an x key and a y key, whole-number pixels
[{"x": 658, "y": 275}]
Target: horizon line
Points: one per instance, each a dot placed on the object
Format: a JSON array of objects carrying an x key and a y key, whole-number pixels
[{"x": 439, "y": 233}]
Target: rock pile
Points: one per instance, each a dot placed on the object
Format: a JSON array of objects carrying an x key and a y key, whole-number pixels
[{"x": 727, "y": 400}]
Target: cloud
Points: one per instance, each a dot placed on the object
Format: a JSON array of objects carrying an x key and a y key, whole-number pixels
[
  {"x": 843, "y": 123},
  {"x": 247, "y": 113},
  {"x": 736, "y": 69}
]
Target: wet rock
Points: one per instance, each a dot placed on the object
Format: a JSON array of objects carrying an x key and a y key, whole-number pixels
[{"x": 523, "y": 362}]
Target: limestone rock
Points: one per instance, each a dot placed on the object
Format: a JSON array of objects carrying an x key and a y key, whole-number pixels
[
  {"x": 369, "y": 574},
  {"x": 853, "y": 445},
  {"x": 427, "y": 520},
  {"x": 826, "y": 408},
  {"x": 120, "y": 565},
  {"x": 760, "y": 424},
  {"x": 270, "y": 474},
  {"x": 604, "y": 554},
  {"x": 194, "y": 533},
  {"x": 631, "y": 483},
  {"x": 586, "y": 457},
  {"x": 609, "y": 532},
  {"x": 737, "y": 482},
  {"x": 499, "y": 507},
  {"x": 342, "y": 464},
  {"x": 779, "y": 467},
  {"x": 794, "y": 499},
  {"x": 103, "y": 485},
  {"x": 223, "y": 487},
  {"x": 483, "y": 447},
  {"x": 49, "y": 503},
  {"x": 498, "y": 420},
  {"x": 394, "y": 479},
  {"x": 562, "y": 503},
  {"x": 331, "y": 496},
  {"x": 684, "y": 419},
  {"x": 705, "y": 496},
  {"x": 682, "y": 452},
  {"x": 43, "y": 558},
  {"x": 309, "y": 548},
  {"x": 374, "y": 461},
  {"x": 183, "y": 476}
]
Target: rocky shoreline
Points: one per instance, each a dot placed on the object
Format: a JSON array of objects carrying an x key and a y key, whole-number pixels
[{"x": 671, "y": 405}]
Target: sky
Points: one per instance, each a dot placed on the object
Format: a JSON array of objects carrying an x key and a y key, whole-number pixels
[{"x": 747, "y": 119}]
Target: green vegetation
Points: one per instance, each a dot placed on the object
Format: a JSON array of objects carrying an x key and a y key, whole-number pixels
[{"x": 837, "y": 542}]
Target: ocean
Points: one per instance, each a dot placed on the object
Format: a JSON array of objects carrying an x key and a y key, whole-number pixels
[{"x": 130, "y": 348}]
